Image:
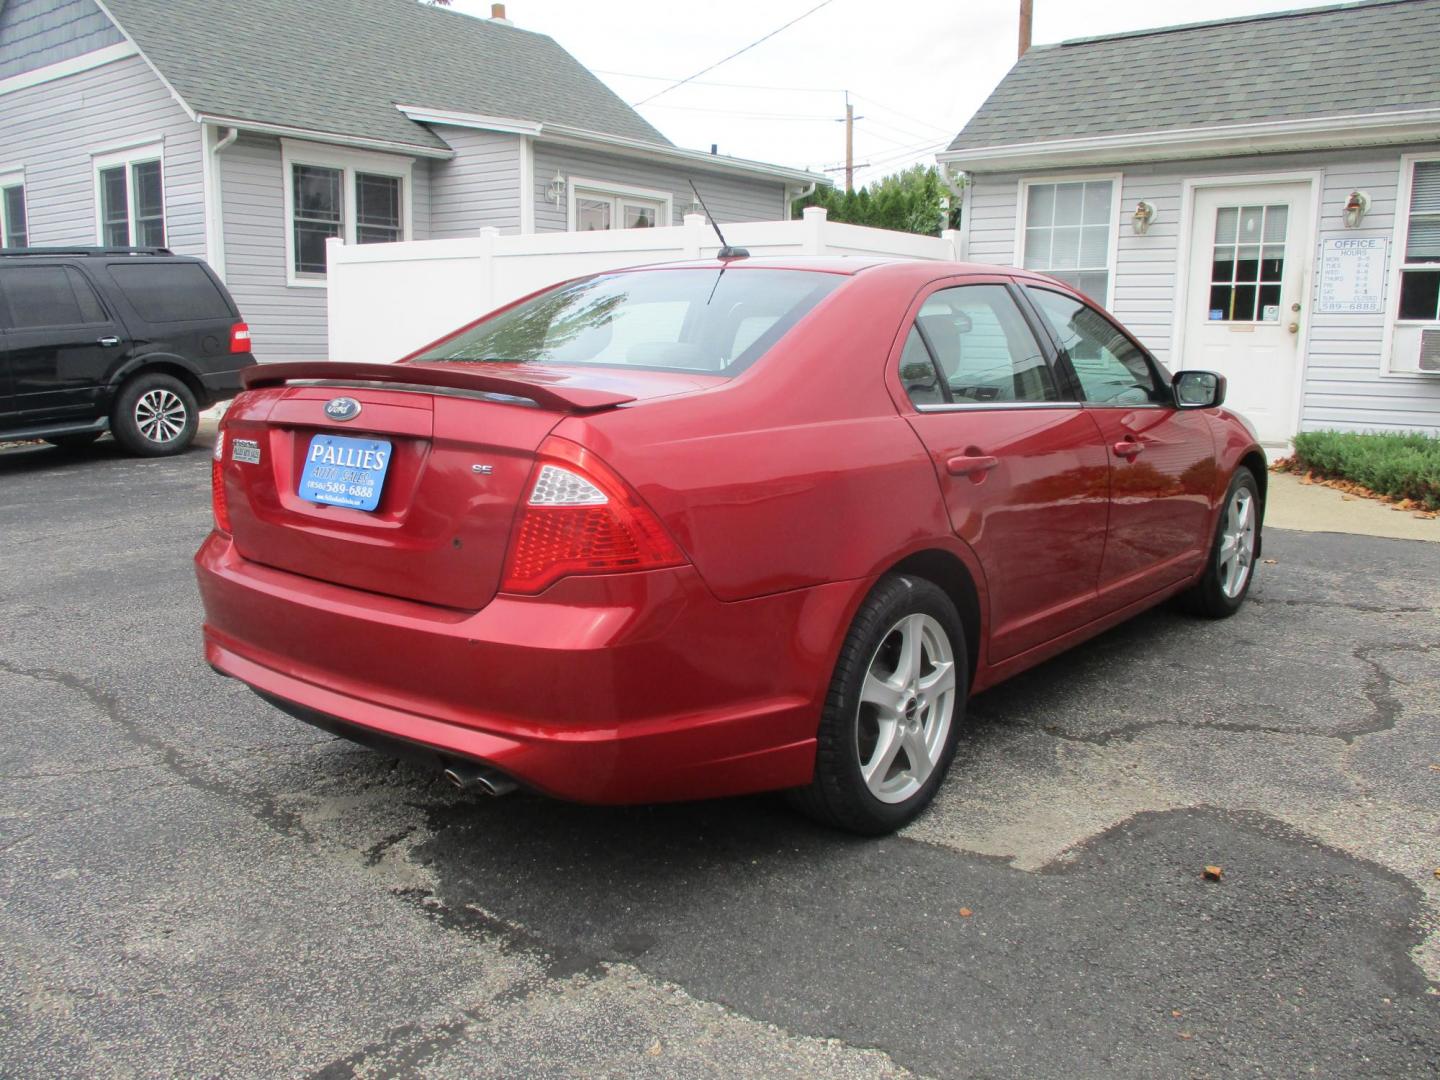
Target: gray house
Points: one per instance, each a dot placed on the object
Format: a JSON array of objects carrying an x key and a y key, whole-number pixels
[
  {"x": 250, "y": 134},
  {"x": 1258, "y": 196}
]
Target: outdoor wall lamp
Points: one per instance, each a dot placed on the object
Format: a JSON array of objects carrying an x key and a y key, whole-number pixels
[
  {"x": 556, "y": 190},
  {"x": 1144, "y": 215},
  {"x": 1356, "y": 207}
]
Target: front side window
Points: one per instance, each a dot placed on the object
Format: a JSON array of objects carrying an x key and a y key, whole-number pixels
[
  {"x": 131, "y": 194},
  {"x": 1111, "y": 369},
  {"x": 1420, "y": 270},
  {"x": 981, "y": 349},
  {"x": 596, "y": 210},
  {"x": 1068, "y": 228},
  {"x": 14, "y": 232},
  {"x": 712, "y": 321},
  {"x": 49, "y": 296}
]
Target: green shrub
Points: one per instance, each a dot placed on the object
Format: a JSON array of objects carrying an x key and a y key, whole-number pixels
[{"x": 1400, "y": 466}]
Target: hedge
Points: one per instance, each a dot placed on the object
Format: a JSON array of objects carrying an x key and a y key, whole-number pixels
[{"x": 1397, "y": 466}]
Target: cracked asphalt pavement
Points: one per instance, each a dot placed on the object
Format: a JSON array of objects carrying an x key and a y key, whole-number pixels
[{"x": 192, "y": 884}]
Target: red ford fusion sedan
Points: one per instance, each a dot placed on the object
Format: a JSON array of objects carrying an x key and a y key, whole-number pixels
[{"x": 722, "y": 527}]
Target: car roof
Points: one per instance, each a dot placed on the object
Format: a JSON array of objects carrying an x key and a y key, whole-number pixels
[{"x": 850, "y": 266}]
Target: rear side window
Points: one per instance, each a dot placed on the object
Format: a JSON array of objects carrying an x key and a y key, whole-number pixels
[
  {"x": 41, "y": 296},
  {"x": 712, "y": 321},
  {"x": 982, "y": 347},
  {"x": 1111, "y": 370},
  {"x": 170, "y": 292}
]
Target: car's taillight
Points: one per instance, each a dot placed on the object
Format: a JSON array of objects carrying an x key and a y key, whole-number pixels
[
  {"x": 217, "y": 484},
  {"x": 579, "y": 517},
  {"x": 239, "y": 338}
]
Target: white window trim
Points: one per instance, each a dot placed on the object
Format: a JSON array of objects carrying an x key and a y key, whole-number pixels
[
  {"x": 604, "y": 187},
  {"x": 297, "y": 152},
  {"x": 8, "y": 179},
  {"x": 128, "y": 156},
  {"x": 1112, "y": 251},
  {"x": 1397, "y": 263}
]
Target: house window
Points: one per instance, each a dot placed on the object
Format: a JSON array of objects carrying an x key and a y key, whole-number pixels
[
  {"x": 1420, "y": 268},
  {"x": 1068, "y": 229},
  {"x": 14, "y": 232},
  {"x": 130, "y": 198},
  {"x": 358, "y": 197},
  {"x": 597, "y": 206}
]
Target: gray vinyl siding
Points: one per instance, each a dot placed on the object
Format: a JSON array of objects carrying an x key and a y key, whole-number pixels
[
  {"x": 52, "y": 131},
  {"x": 1343, "y": 385},
  {"x": 479, "y": 186},
  {"x": 287, "y": 322},
  {"x": 37, "y": 33},
  {"x": 730, "y": 198}
]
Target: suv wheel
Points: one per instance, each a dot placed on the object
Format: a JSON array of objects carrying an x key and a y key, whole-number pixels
[{"x": 154, "y": 415}]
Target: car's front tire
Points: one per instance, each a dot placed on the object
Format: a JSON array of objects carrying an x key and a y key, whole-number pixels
[
  {"x": 154, "y": 415},
  {"x": 1230, "y": 568},
  {"x": 892, "y": 714}
]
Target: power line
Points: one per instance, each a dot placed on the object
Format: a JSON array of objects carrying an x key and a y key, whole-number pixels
[
  {"x": 747, "y": 115},
  {"x": 732, "y": 85},
  {"x": 903, "y": 115},
  {"x": 732, "y": 56}
]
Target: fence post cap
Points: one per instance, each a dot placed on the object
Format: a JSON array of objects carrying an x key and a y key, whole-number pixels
[{"x": 813, "y": 212}]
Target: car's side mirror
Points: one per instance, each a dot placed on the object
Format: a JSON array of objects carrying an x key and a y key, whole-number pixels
[{"x": 1198, "y": 389}]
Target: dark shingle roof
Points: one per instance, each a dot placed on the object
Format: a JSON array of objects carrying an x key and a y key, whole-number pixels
[
  {"x": 1362, "y": 58},
  {"x": 341, "y": 66}
]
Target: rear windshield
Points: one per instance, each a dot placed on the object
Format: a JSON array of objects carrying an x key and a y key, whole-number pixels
[
  {"x": 170, "y": 292},
  {"x": 713, "y": 321}
]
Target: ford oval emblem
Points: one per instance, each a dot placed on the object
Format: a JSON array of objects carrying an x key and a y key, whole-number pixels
[{"x": 342, "y": 408}]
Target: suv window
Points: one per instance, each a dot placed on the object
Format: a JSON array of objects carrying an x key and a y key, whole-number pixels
[
  {"x": 982, "y": 348},
  {"x": 49, "y": 296},
  {"x": 170, "y": 292},
  {"x": 1111, "y": 369}
]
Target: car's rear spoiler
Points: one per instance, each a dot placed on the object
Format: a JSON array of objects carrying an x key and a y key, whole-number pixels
[{"x": 463, "y": 378}]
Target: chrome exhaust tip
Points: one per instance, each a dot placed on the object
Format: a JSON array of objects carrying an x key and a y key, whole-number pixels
[{"x": 487, "y": 781}]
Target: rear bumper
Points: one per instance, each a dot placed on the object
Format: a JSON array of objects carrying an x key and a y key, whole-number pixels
[
  {"x": 622, "y": 688},
  {"x": 224, "y": 385}
]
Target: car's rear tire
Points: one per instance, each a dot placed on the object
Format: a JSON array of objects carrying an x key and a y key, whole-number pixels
[
  {"x": 1230, "y": 567},
  {"x": 154, "y": 415},
  {"x": 898, "y": 693},
  {"x": 74, "y": 442}
]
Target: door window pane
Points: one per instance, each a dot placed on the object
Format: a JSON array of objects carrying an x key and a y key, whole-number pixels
[
  {"x": 1249, "y": 249},
  {"x": 983, "y": 348},
  {"x": 13, "y": 208},
  {"x": 49, "y": 296},
  {"x": 114, "y": 207},
  {"x": 319, "y": 213},
  {"x": 149, "y": 204},
  {"x": 377, "y": 209},
  {"x": 917, "y": 372},
  {"x": 1068, "y": 228},
  {"x": 1111, "y": 370}
]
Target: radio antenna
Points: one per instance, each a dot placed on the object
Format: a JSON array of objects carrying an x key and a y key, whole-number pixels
[{"x": 726, "y": 251}]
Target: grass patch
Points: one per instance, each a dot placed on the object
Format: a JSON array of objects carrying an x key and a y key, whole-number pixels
[{"x": 1405, "y": 468}]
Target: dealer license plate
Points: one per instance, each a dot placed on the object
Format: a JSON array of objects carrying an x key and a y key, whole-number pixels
[{"x": 345, "y": 472}]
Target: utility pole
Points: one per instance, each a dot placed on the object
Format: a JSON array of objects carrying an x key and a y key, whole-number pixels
[
  {"x": 849, "y": 146},
  {"x": 1027, "y": 17}
]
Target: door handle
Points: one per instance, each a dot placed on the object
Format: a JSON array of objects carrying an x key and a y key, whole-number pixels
[
  {"x": 109, "y": 341},
  {"x": 1129, "y": 448},
  {"x": 974, "y": 465}
]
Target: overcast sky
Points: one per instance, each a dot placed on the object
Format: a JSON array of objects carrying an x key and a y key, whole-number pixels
[{"x": 916, "y": 69}]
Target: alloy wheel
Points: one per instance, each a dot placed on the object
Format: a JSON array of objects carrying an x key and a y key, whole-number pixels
[
  {"x": 906, "y": 707},
  {"x": 160, "y": 415},
  {"x": 1237, "y": 543}
]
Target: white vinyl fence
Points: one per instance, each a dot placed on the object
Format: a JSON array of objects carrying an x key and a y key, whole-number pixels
[{"x": 386, "y": 300}]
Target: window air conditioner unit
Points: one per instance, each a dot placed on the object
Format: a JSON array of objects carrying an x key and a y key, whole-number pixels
[{"x": 1430, "y": 350}]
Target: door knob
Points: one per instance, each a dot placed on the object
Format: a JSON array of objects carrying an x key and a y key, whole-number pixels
[
  {"x": 1129, "y": 448},
  {"x": 1294, "y": 328},
  {"x": 972, "y": 465},
  {"x": 109, "y": 341}
]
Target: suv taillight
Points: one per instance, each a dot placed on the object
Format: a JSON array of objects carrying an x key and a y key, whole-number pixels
[
  {"x": 240, "y": 338},
  {"x": 217, "y": 484},
  {"x": 579, "y": 517}
]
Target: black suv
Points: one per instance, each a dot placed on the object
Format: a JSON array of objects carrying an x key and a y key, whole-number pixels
[{"x": 135, "y": 341}]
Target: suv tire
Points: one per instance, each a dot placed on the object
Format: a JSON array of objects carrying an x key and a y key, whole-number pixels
[{"x": 154, "y": 415}]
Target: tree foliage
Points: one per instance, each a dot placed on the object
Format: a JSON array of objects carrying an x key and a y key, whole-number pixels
[{"x": 915, "y": 200}]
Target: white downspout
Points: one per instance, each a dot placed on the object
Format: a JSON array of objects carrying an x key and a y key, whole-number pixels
[{"x": 215, "y": 203}]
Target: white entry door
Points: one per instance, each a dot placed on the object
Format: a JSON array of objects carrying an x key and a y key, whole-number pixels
[{"x": 1250, "y": 253}]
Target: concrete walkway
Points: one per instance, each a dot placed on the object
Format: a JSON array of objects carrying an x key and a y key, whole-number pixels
[{"x": 1317, "y": 508}]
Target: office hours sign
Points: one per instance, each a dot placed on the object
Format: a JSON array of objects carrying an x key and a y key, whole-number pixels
[{"x": 1352, "y": 275}]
